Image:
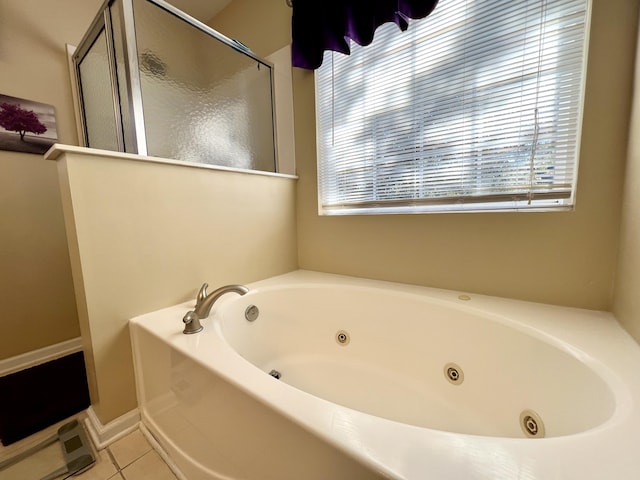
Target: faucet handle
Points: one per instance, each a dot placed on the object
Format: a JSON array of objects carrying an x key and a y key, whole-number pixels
[
  {"x": 202, "y": 294},
  {"x": 191, "y": 323}
]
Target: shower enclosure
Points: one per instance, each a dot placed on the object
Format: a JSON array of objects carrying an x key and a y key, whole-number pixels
[{"x": 154, "y": 81}]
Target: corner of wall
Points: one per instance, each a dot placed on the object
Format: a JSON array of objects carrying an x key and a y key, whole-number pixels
[{"x": 626, "y": 300}]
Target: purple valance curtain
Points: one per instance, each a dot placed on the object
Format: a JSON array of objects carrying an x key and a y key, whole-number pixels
[{"x": 320, "y": 25}]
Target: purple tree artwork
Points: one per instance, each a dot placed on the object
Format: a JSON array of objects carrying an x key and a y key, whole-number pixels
[
  {"x": 16, "y": 119},
  {"x": 26, "y": 126}
]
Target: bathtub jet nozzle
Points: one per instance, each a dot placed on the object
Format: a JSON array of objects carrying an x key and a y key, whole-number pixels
[{"x": 204, "y": 303}]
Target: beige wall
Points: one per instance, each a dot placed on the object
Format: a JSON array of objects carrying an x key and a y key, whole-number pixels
[
  {"x": 36, "y": 291},
  {"x": 263, "y": 25},
  {"x": 561, "y": 258},
  {"x": 626, "y": 306},
  {"x": 145, "y": 236}
]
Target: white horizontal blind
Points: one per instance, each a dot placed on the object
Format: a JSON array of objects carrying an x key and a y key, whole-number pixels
[{"x": 476, "y": 107}]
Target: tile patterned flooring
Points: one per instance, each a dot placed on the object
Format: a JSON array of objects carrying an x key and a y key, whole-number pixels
[{"x": 130, "y": 458}]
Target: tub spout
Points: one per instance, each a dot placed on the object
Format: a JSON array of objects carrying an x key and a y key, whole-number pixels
[
  {"x": 204, "y": 303},
  {"x": 203, "y": 306}
]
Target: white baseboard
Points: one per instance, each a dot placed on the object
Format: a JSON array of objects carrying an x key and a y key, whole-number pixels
[
  {"x": 104, "y": 435},
  {"x": 40, "y": 356}
]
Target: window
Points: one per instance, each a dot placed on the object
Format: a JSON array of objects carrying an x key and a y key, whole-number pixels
[{"x": 474, "y": 108}]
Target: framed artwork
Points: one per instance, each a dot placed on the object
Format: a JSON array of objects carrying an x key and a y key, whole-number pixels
[{"x": 26, "y": 126}]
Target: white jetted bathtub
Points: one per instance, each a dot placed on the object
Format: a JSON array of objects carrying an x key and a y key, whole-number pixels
[{"x": 316, "y": 376}]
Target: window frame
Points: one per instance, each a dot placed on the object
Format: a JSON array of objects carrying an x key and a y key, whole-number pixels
[{"x": 535, "y": 202}]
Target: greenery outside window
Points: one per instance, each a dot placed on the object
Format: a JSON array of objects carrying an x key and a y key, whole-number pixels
[{"x": 475, "y": 108}]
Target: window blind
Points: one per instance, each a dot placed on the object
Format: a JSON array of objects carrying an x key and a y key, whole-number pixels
[{"x": 476, "y": 107}]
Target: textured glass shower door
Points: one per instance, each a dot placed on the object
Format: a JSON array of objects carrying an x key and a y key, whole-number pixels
[
  {"x": 180, "y": 89},
  {"x": 100, "y": 128}
]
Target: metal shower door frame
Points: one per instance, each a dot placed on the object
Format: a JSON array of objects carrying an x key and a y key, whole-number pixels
[
  {"x": 103, "y": 22},
  {"x": 134, "y": 103}
]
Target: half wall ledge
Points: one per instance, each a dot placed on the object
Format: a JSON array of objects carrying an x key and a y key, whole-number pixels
[{"x": 57, "y": 149}]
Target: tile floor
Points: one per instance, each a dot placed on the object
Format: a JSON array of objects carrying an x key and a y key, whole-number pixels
[{"x": 130, "y": 458}]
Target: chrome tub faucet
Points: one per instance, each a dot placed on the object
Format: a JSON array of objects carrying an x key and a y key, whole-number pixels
[{"x": 204, "y": 303}]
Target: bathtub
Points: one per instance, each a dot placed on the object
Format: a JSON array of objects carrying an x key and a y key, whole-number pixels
[{"x": 318, "y": 376}]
